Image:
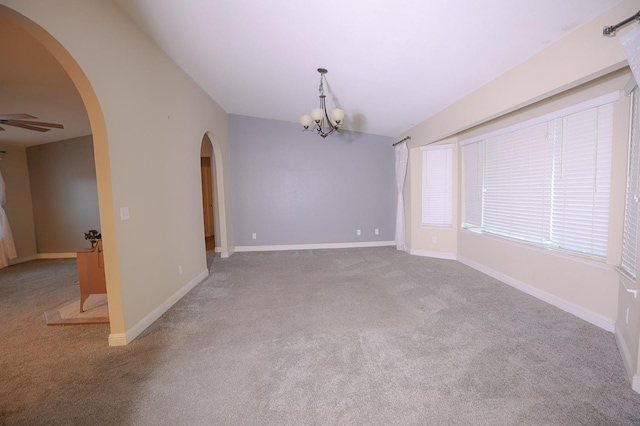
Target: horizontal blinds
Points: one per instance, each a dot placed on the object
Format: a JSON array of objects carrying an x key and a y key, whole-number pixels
[
  {"x": 437, "y": 186},
  {"x": 632, "y": 207},
  {"x": 581, "y": 182},
  {"x": 473, "y": 170},
  {"x": 547, "y": 183},
  {"x": 517, "y": 180}
]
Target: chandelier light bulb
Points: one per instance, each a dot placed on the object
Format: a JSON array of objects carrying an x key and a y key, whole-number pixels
[
  {"x": 317, "y": 114},
  {"x": 337, "y": 115},
  {"x": 306, "y": 121}
]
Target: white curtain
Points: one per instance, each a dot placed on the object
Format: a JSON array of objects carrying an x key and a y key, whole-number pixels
[
  {"x": 7, "y": 246},
  {"x": 402, "y": 157},
  {"x": 631, "y": 44}
]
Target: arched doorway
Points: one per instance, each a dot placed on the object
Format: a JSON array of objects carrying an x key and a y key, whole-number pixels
[
  {"x": 207, "y": 173},
  {"x": 101, "y": 157},
  {"x": 213, "y": 196}
]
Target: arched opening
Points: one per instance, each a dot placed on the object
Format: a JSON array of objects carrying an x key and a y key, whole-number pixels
[
  {"x": 207, "y": 173},
  {"x": 213, "y": 196},
  {"x": 101, "y": 158}
]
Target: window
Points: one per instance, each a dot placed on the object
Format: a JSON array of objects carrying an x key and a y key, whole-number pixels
[
  {"x": 632, "y": 209},
  {"x": 437, "y": 186},
  {"x": 544, "y": 181}
]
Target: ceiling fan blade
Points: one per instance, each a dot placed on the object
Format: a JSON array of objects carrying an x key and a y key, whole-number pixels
[
  {"x": 25, "y": 126},
  {"x": 16, "y": 116},
  {"x": 38, "y": 123}
]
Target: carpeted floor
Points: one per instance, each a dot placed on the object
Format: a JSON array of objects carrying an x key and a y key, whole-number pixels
[{"x": 324, "y": 337}]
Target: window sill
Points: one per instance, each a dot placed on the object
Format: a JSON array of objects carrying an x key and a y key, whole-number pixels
[
  {"x": 628, "y": 282},
  {"x": 429, "y": 226},
  {"x": 565, "y": 254}
]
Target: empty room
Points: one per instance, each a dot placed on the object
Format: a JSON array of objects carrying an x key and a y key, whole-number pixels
[{"x": 335, "y": 213}]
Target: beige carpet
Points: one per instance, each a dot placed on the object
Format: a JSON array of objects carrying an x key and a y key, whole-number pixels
[{"x": 95, "y": 312}]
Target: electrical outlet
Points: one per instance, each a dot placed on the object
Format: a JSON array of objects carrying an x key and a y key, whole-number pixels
[
  {"x": 376, "y": 231},
  {"x": 253, "y": 236},
  {"x": 124, "y": 213},
  {"x": 358, "y": 232},
  {"x": 434, "y": 240},
  {"x": 180, "y": 270}
]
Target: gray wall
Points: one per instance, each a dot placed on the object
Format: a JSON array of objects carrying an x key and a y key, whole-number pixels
[
  {"x": 293, "y": 187},
  {"x": 64, "y": 193}
]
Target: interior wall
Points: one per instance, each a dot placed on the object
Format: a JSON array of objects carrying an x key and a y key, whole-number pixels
[
  {"x": 64, "y": 192},
  {"x": 591, "y": 285},
  {"x": 19, "y": 205},
  {"x": 583, "y": 55},
  {"x": 292, "y": 187},
  {"x": 154, "y": 116},
  {"x": 588, "y": 289}
]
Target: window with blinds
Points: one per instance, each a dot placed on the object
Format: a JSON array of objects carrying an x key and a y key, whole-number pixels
[
  {"x": 545, "y": 181},
  {"x": 632, "y": 207},
  {"x": 437, "y": 185}
]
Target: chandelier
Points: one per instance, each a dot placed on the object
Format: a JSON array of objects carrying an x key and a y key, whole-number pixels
[{"x": 319, "y": 118}]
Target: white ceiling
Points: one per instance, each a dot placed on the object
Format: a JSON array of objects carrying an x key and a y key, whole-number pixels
[{"x": 392, "y": 63}]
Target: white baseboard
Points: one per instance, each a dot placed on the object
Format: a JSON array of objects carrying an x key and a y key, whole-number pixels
[
  {"x": 57, "y": 255},
  {"x": 623, "y": 347},
  {"x": 627, "y": 361},
  {"x": 434, "y": 254},
  {"x": 121, "y": 339},
  {"x": 23, "y": 259},
  {"x": 594, "y": 318},
  {"x": 635, "y": 383},
  {"x": 315, "y": 246}
]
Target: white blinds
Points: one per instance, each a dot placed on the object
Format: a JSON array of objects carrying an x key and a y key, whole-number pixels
[
  {"x": 582, "y": 181},
  {"x": 517, "y": 183},
  {"x": 473, "y": 158},
  {"x": 437, "y": 185},
  {"x": 546, "y": 183},
  {"x": 632, "y": 209}
]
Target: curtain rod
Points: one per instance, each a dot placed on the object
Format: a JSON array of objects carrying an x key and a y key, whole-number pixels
[
  {"x": 610, "y": 31},
  {"x": 401, "y": 140}
]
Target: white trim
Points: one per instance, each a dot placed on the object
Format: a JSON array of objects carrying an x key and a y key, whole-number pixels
[
  {"x": 594, "y": 318},
  {"x": 635, "y": 383},
  {"x": 436, "y": 146},
  {"x": 631, "y": 84},
  {"x": 573, "y": 109},
  {"x": 628, "y": 282},
  {"x": 121, "y": 339},
  {"x": 117, "y": 339},
  {"x": 625, "y": 353},
  {"x": 285, "y": 247},
  {"x": 42, "y": 256},
  {"x": 57, "y": 255},
  {"x": 434, "y": 254},
  {"x": 23, "y": 259}
]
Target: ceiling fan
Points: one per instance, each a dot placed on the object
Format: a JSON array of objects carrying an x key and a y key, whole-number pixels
[{"x": 24, "y": 121}]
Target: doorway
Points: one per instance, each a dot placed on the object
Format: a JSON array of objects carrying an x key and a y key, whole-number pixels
[{"x": 207, "y": 202}]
